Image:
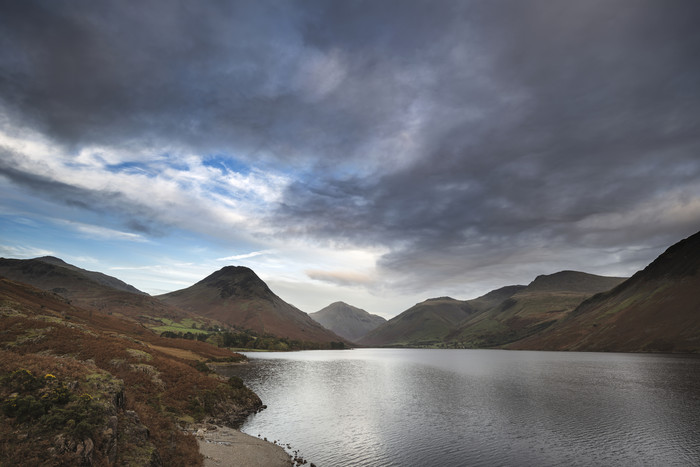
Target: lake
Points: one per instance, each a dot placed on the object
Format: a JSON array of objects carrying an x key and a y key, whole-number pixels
[{"x": 414, "y": 407}]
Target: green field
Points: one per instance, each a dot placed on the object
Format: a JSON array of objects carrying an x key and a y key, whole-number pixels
[{"x": 184, "y": 326}]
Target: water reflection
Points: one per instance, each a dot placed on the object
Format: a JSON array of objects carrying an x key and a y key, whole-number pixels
[{"x": 479, "y": 407}]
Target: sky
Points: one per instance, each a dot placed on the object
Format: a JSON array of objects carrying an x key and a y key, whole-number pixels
[{"x": 378, "y": 153}]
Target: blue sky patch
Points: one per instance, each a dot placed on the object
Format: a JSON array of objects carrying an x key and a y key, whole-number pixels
[
  {"x": 226, "y": 164},
  {"x": 131, "y": 168}
]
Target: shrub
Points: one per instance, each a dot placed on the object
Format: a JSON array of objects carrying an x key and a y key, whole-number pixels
[{"x": 201, "y": 366}]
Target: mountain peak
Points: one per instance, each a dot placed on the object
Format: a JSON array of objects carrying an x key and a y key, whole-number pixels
[
  {"x": 438, "y": 299},
  {"x": 229, "y": 270},
  {"x": 346, "y": 320},
  {"x": 52, "y": 260},
  {"x": 235, "y": 295},
  {"x": 238, "y": 281}
]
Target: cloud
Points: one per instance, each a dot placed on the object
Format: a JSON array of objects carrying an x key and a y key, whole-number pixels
[
  {"x": 23, "y": 251},
  {"x": 166, "y": 192},
  {"x": 252, "y": 254},
  {"x": 345, "y": 278},
  {"x": 467, "y": 141},
  {"x": 102, "y": 232}
]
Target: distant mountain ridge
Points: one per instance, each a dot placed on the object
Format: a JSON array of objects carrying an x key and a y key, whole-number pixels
[
  {"x": 346, "y": 320},
  {"x": 657, "y": 309},
  {"x": 235, "y": 295},
  {"x": 34, "y": 270},
  {"x": 573, "y": 281},
  {"x": 88, "y": 289},
  {"x": 98, "y": 277},
  {"x": 530, "y": 309},
  {"x": 423, "y": 324},
  {"x": 501, "y": 316}
]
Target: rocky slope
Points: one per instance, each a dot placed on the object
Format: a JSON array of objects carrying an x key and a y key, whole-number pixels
[
  {"x": 238, "y": 297},
  {"x": 79, "y": 387},
  {"x": 347, "y": 321},
  {"x": 657, "y": 309}
]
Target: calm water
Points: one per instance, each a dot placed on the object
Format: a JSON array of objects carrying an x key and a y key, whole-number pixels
[{"x": 381, "y": 407}]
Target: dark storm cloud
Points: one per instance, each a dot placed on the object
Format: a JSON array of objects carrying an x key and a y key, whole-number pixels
[
  {"x": 235, "y": 76},
  {"x": 595, "y": 111},
  {"x": 458, "y": 134}
]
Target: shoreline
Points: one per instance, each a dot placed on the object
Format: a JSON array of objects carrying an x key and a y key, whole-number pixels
[{"x": 227, "y": 447}]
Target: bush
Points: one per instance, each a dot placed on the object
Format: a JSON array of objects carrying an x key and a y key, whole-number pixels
[
  {"x": 48, "y": 403},
  {"x": 201, "y": 366},
  {"x": 235, "y": 382}
]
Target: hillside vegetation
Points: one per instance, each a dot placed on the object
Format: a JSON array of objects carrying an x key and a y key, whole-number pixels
[{"x": 83, "y": 388}]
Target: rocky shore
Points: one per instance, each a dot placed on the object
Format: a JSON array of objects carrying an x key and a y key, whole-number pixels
[{"x": 226, "y": 447}]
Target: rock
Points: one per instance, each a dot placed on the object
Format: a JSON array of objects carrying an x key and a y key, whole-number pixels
[
  {"x": 110, "y": 439},
  {"x": 84, "y": 450}
]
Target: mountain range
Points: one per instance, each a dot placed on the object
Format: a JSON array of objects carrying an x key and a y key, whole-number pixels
[
  {"x": 499, "y": 317},
  {"x": 231, "y": 297},
  {"x": 89, "y": 289},
  {"x": 657, "y": 309}
]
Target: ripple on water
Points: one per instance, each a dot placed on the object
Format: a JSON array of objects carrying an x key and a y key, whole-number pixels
[{"x": 412, "y": 407}]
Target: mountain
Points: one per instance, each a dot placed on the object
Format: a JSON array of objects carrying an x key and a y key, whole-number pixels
[
  {"x": 49, "y": 273},
  {"x": 89, "y": 289},
  {"x": 501, "y": 316},
  {"x": 425, "y": 323},
  {"x": 657, "y": 309},
  {"x": 95, "y": 276},
  {"x": 530, "y": 309},
  {"x": 346, "y": 320},
  {"x": 235, "y": 295}
]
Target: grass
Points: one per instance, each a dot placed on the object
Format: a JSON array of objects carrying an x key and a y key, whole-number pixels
[
  {"x": 184, "y": 326},
  {"x": 183, "y": 354}
]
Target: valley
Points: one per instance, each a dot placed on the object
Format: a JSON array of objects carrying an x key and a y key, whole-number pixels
[{"x": 95, "y": 371}]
